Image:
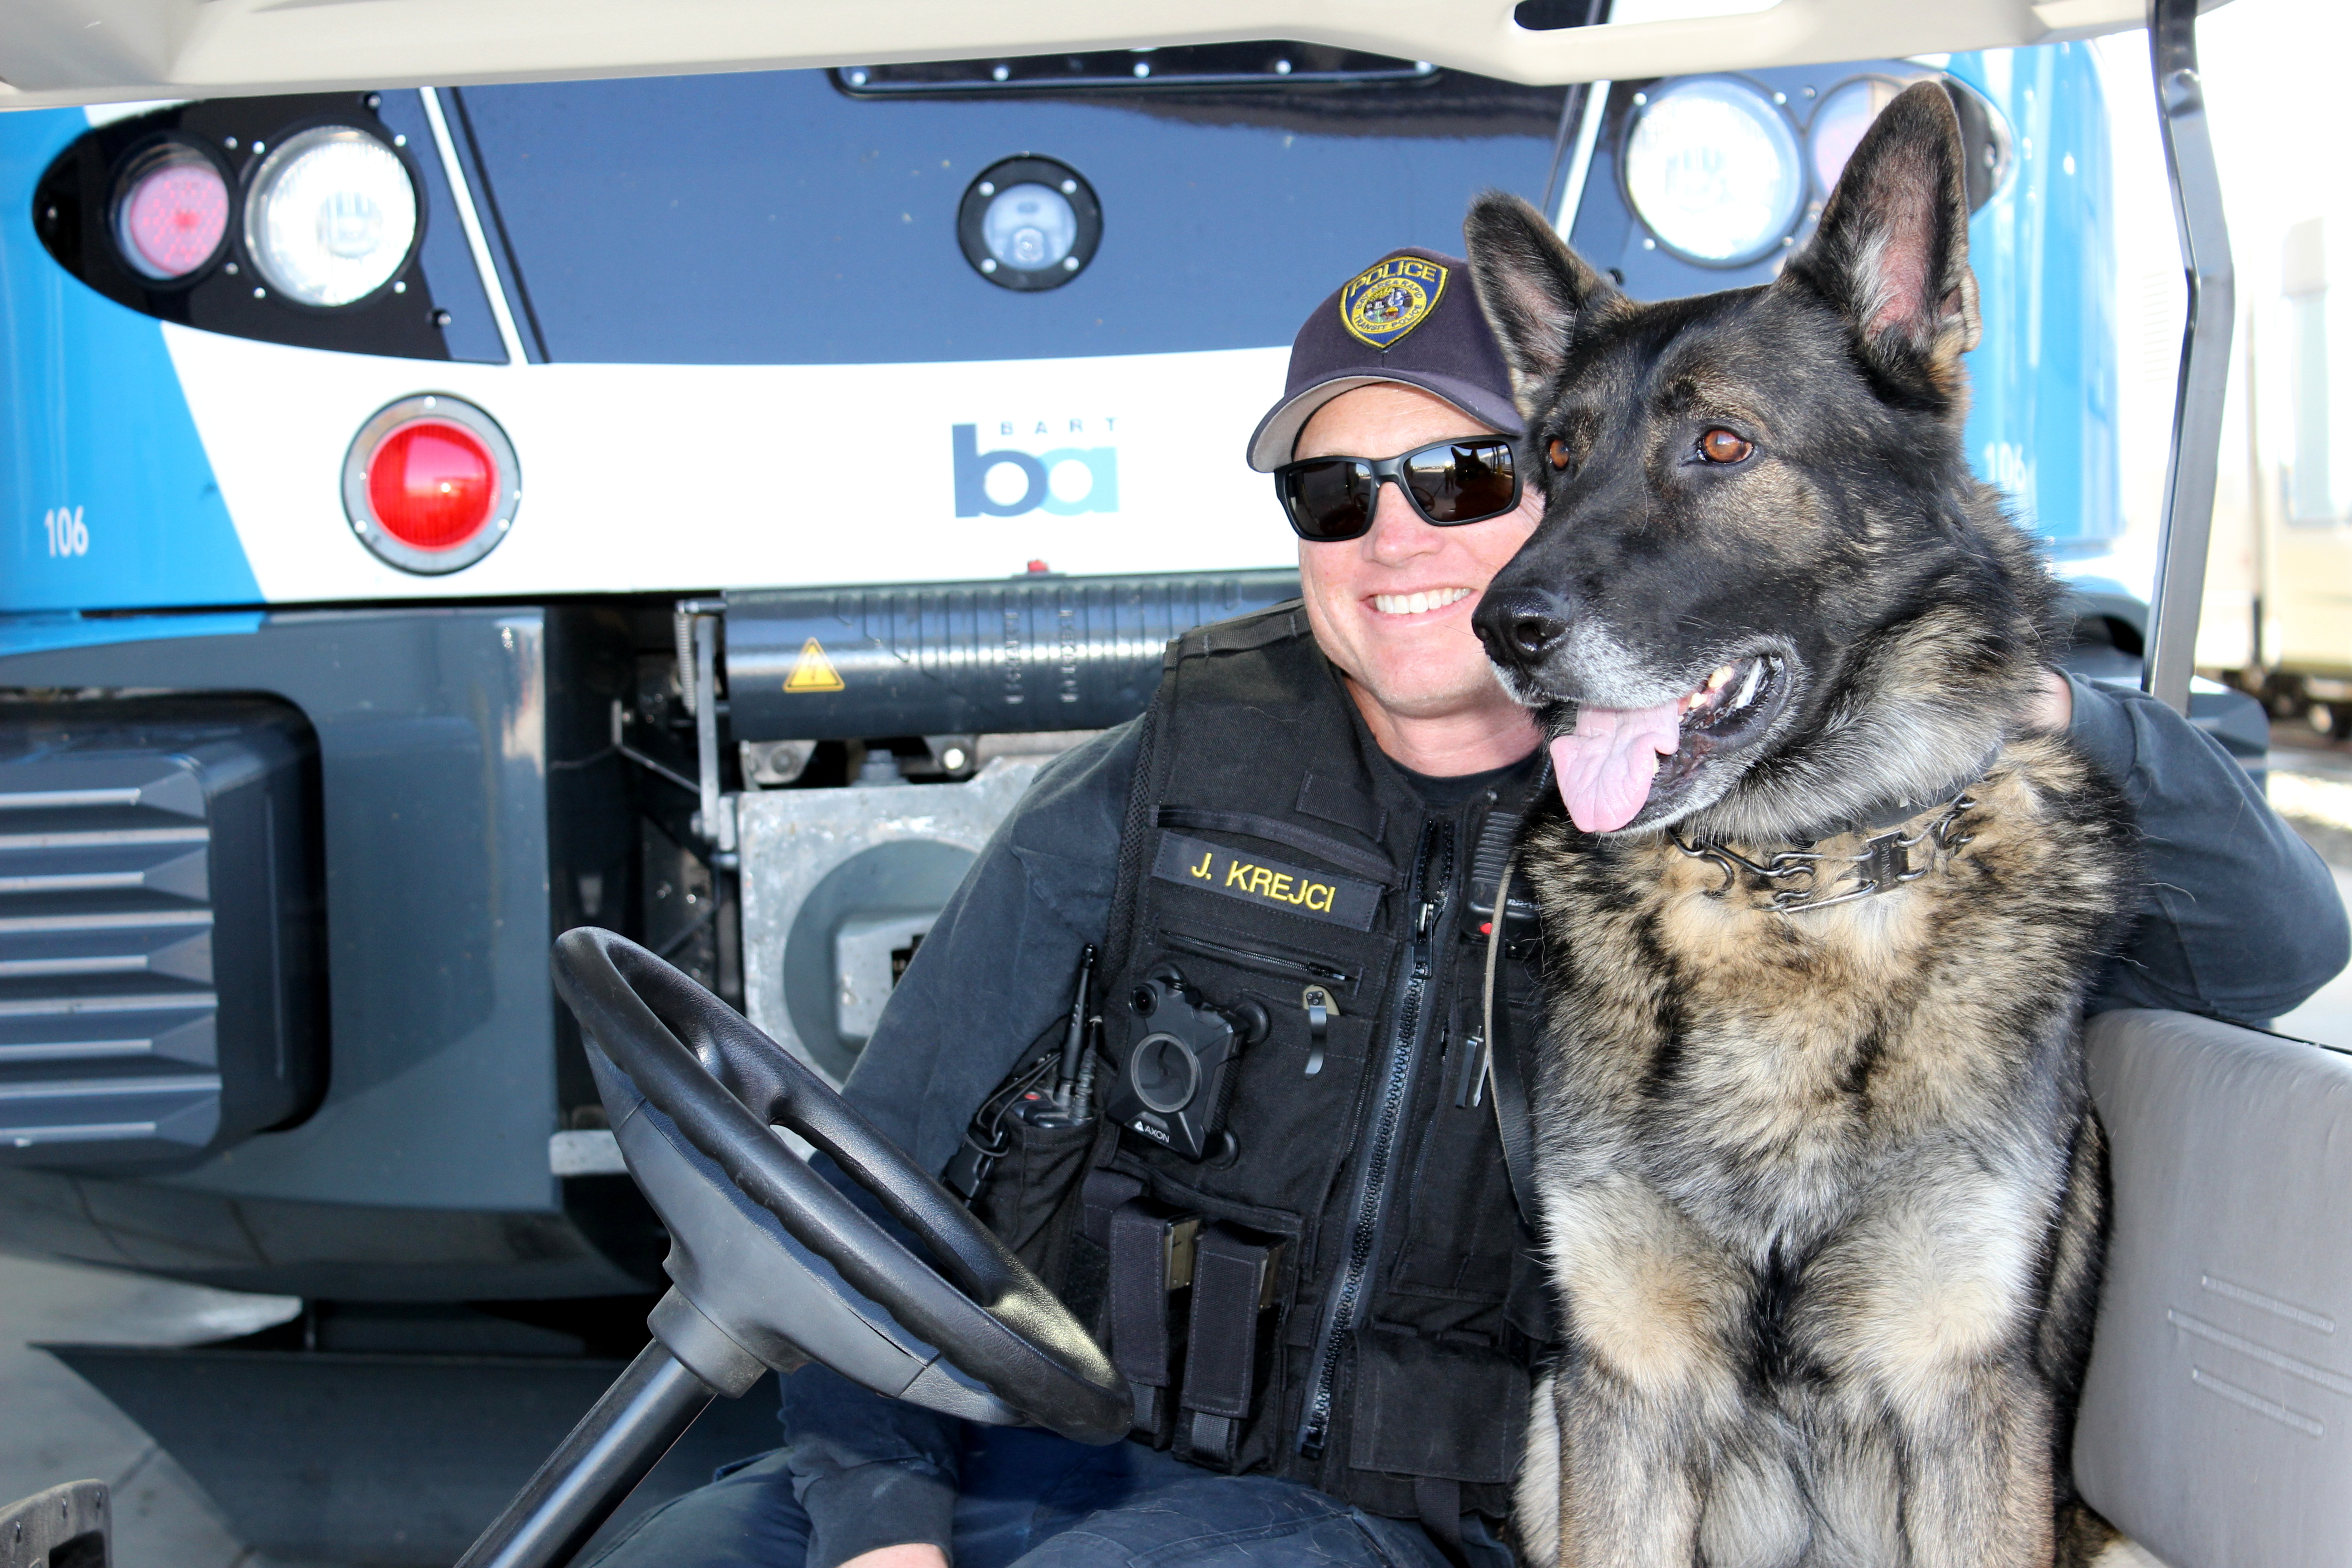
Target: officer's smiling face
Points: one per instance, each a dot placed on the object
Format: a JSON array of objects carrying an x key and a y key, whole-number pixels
[{"x": 1392, "y": 608}]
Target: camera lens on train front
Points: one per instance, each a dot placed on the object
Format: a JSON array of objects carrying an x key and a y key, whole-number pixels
[
  {"x": 1029, "y": 223},
  {"x": 1029, "y": 226}
]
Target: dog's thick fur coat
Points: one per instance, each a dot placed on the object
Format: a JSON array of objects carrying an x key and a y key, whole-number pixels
[{"x": 1821, "y": 1189}]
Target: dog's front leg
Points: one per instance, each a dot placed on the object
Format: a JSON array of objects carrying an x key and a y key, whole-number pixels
[
  {"x": 1981, "y": 1482},
  {"x": 1649, "y": 1383},
  {"x": 1924, "y": 1314},
  {"x": 1629, "y": 1489},
  {"x": 1535, "y": 1506}
]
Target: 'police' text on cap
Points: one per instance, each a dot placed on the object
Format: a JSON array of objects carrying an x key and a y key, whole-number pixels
[{"x": 1391, "y": 299}]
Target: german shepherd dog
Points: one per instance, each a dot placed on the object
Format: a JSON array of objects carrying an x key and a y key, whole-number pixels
[{"x": 1821, "y": 1187}]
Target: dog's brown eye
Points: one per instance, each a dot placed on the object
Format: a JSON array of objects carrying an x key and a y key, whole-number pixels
[
  {"x": 1720, "y": 446},
  {"x": 1558, "y": 453}
]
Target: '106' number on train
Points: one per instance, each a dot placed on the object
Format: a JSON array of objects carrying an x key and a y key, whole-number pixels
[{"x": 69, "y": 535}]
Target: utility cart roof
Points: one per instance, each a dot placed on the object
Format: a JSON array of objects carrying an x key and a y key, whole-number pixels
[{"x": 96, "y": 51}]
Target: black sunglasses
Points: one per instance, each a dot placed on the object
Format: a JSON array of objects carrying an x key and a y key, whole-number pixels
[{"x": 1449, "y": 483}]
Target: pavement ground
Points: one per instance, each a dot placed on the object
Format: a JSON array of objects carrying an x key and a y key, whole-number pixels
[{"x": 55, "y": 1427}]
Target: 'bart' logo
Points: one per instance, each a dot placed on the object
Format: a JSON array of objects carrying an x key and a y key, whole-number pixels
[{"x": 974, "y": 466}]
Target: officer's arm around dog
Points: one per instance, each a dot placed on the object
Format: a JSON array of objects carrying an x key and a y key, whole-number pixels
[{"x": 2240, "y": 920}]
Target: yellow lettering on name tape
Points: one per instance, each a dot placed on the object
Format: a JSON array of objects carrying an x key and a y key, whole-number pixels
[
  {"x": 813, "y": 671},
  {"x": 1214, "y": 868}
]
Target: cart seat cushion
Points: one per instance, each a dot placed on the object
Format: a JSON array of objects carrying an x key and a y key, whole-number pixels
[{"x": 2217, "y": 1418}]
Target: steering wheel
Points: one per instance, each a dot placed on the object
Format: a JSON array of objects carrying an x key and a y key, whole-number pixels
[{"x": 774, "y": 1266}]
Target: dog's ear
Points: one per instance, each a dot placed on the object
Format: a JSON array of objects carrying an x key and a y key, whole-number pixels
[
  {"x": 1533, "y": 289},
  {"x": 1892, "y": 251}
]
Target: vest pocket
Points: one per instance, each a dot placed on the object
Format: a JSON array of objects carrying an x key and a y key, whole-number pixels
[
  {"x": 1274, "y": 1079},
  {"x": 1030, "y": 1184},
  {"x": 1461, "y": 1226},
  {"x": 1446, "y": 1408},
  {"x": 1260, "y": 958}
]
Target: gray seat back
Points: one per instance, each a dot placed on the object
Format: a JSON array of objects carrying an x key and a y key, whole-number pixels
[{"x": 2217, "y": 1421}]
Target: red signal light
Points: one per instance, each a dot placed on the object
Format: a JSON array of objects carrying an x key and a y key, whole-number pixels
[
  {"x": 432, "y": 485},
  {"x": 172, "y": 213}
]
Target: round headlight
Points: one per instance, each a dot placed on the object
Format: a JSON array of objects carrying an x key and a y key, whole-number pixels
[
  {"x": 1839, "y": 122},
  {"x": 1029, "y": 223},
  {"x": 331, "y": 215},
  {"x": 1712, "y": 168},
  {"x": 171, "y": 212},
  {"x": 1029, "y": 226}
]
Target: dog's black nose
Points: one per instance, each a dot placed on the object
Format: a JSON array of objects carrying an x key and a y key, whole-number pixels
[{"x": 1519, "y": 625}]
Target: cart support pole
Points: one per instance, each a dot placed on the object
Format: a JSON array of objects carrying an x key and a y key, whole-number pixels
[
  {"x": 2204, "y": 352},
  {"x": 624, "y": 1434}
]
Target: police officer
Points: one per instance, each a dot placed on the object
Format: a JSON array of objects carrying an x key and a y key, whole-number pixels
[{"x": 1301, "y": 838}]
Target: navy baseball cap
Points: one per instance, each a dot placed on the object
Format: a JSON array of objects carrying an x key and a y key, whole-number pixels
[{"x": 1412, "y": 317}]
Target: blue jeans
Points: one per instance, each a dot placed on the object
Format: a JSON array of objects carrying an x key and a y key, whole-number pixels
[{"x": 1031, "y": 1498}]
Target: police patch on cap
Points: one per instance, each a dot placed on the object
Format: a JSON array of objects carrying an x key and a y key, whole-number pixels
[{"x": 1393, "y": 299}]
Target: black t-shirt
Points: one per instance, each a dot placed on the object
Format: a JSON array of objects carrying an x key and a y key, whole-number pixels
[{"x": 1445, "y": 793}]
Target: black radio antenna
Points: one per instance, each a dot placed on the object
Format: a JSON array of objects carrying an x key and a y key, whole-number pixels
[{"x": 1073, "y": 1041}]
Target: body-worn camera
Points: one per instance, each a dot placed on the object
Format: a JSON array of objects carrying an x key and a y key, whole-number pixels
[{"x": 1175, "y": 1075}]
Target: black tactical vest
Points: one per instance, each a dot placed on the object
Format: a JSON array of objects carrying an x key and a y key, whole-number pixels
[{"x": 1341, "y": 1291}]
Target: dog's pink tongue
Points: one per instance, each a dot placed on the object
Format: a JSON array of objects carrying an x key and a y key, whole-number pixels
[{"x": 1606, "y": 766}]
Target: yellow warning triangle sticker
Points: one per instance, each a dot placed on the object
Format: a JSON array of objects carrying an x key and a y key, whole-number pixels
[{"x": 814, "y": 672}]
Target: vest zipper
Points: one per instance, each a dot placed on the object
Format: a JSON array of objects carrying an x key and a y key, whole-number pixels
[{"x": 1432, "y": 877}]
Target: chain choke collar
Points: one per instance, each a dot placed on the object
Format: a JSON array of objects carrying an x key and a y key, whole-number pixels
[{"x": 1811, "y": 878}]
